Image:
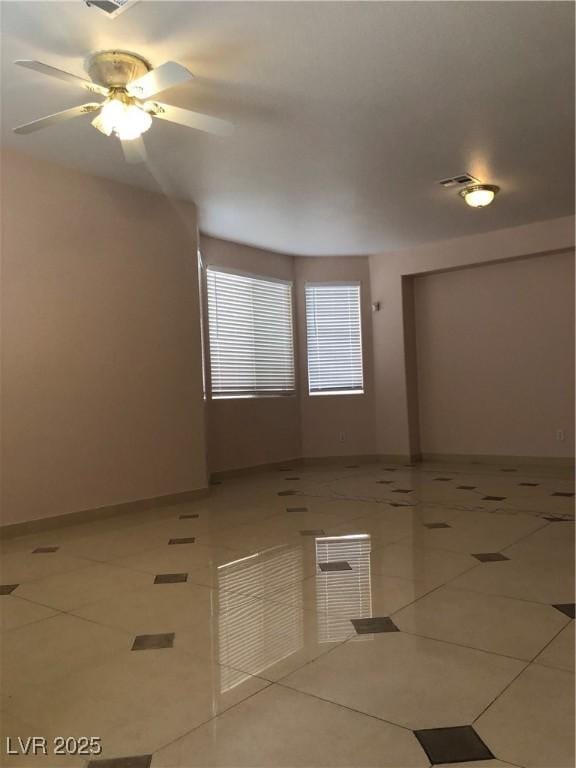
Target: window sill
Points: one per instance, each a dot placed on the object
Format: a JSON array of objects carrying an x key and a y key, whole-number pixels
[
  {"x": 217, "y": 398},
  {"x": 337, "y": 393}
]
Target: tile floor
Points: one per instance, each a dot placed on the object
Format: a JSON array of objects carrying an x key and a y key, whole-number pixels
[{"x": 381, "y": 615}]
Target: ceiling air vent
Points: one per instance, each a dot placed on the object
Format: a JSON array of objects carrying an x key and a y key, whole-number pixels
[
  {"x": 111, "y": 8},
  {"x": 461, "y": 180}
]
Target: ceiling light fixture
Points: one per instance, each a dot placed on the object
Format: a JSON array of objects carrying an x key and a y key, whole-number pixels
[
  {"x": 122, "y": 116},
  {"x": 479, "y": 195}
]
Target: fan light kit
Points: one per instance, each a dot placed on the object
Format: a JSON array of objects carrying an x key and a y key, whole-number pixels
[
  {"x": 127, "y": 81},
  {"x": 479, "y": 195}
]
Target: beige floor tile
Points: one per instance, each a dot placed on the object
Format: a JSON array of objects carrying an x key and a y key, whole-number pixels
[
  {"x": 474, "y": 532},
  {"x": 66, "y": 591},
  {"x": 176, "y": 558},
  {"x": 479, "y": 764},
  {"x": 11, "y": 730},
  {"x": 407, "y": 680},
  {"x": 19, "y": 568},
  {"x": 283, "y": 728},
  {"x": 114, "y": 544},
  {"x": 139, "y": 701},
  {"x": 38, "y": 655},
  {"x": 188, "y": 610},
  {"x": 560, "y": 652},
  {"x": 553, "y": 543},
  {"x": 491, "y": 623},
  {"x": 385, "y": 526},
  {"x": 15, "y": 612},
  {"x": 136, "y": 701},
  {"x": 532, "y": 723},
  {"x": 429, "y": 512},
  {"x": 540, "y": 581},
  {"x": 431, "y": 567}
]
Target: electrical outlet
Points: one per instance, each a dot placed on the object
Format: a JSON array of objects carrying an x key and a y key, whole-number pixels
[
  {"x": 342, "y": 437},
  {"x": 560, "y": 435}
]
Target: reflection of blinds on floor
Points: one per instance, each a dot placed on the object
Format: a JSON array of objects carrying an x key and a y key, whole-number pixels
[
  {"x": 255, "y": 634},
  {"x": 342, "y": 595}
]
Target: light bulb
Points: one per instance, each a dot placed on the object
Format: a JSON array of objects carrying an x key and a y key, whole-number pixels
[
  {"x": 127, "y": 121},
  {"x": 479, "y": 195}
]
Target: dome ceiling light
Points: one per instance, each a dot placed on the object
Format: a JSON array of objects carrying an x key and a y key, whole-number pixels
[{"x": 479, "y": 195}]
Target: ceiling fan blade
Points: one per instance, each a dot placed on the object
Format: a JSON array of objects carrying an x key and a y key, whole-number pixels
[
  {"x": 165, "y": 76},
  {"x": 134, "y": 151},
  {"x": 45, "y": 69},
  {"x": 58, "y": 117},
  {"x": 190, "y": 119}
]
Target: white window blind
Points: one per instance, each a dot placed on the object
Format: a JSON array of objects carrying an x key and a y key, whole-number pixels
[
  {"x": 334, "y": 338},
  {"x": 251, "y": 337}
]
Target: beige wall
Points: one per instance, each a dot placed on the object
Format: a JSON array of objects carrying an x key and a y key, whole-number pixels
[
  {"x": 247, "y": 432},
  {"x": 495, "y": 358},
  {"x": 394, "y": 398},
  {"x": 325, "y": 419},
  {"x": 101, "y": 376}
]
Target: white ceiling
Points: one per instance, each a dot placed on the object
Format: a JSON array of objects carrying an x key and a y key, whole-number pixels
[{"x": 346, "y": 113}]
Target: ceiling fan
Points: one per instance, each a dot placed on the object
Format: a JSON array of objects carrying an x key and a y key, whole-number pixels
[{"x": 127, "y": 81}]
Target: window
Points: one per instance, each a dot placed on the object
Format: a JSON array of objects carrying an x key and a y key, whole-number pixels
[
  {"x": 334, "y": 339},
  {"x": 251, "y": 337}
]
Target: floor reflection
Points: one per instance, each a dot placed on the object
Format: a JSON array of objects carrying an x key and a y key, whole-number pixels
[
  {"x": 343, "y": 595},
  {"x": 255, "y": 634}
]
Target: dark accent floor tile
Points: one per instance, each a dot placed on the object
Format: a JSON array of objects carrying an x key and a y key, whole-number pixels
[
  {"x": 374, "y": 625},
  {"x": 401, "y": 504},
  {"x": 44, "y": 550},
  {"x": 153, "y": 642},
  {"x": 437, "y": 525},
  {"x": 490, "y": 557},
  {"x": 453, "y": 745},
  {"x": 296, "y": 509},
  {"x": 291, "y": 478},
  {"x": 493, "y": 498},
  {"x": 335, "y": 565},
  {"x": 184, "y": 540},
  {"x": 409, "y": 465},
  {"x": 136, "y": 761},
  {"x": 466, "y": 487},
  {"x": 566, "y": 608},
  {"x": 509, "y": 469},
  {"x": 314, "y": 532},
  {"x": 189, "y": 516},
  {"x": 443, "y": 479},
  {"x": 402, "y": 490},
  {"x": 286, "y": 493},
  {"x": 170, "y": 578},
  {"x": 7, "y": 589},
  {"x": 384, "y": 482},
  {"x": 561, "y": 493},
  {"x": 530, "y": 485}
]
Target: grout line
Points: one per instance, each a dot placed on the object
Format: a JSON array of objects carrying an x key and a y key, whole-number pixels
[
  {"x": 345, "y": 706},
  {"x": 217, "y": 715},
  {"x": 495, "y": 699}
]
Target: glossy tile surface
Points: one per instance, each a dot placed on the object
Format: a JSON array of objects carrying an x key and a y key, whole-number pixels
[{"x": 248, "y": 653}]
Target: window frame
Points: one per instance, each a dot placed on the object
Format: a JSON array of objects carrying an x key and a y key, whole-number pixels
[
  {"x": 344, "y": 392},
  {"x": 265, "y": 278}
]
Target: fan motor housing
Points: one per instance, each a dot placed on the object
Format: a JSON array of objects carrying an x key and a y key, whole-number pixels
[{"x": 115, "y": 69}]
